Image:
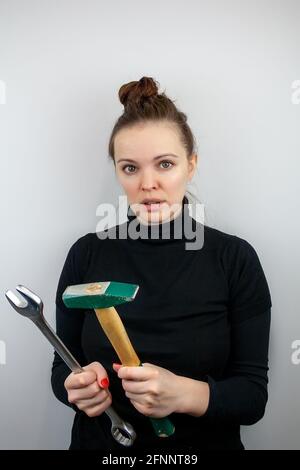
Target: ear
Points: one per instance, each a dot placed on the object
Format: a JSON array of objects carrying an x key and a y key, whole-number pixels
[{"x": 192, "y": 165}]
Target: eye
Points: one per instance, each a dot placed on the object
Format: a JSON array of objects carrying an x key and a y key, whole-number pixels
[
  {"x": 166, "y": 161},
  {"x": 128, "y": 166}
]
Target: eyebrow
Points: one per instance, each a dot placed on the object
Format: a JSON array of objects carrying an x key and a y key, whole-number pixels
[{"x": 155, "y": 158}]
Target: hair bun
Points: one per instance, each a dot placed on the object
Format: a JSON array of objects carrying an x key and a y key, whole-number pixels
[{"x": 138, "y": 90}]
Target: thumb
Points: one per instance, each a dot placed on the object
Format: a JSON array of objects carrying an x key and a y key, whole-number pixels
[
  {"x": 101, "y": 374},
  {"x": 148, "y": 364}
]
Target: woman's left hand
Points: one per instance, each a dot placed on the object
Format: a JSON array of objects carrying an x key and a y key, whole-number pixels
[{"x": 157, "y": 392}]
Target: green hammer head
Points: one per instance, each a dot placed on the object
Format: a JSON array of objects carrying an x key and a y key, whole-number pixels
[{"x": 99, "y": 294}]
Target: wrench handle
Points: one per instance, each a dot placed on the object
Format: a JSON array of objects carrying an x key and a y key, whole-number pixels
[
  {"x": 122, "y": 431},
  {"x": 59, "y": 346}
]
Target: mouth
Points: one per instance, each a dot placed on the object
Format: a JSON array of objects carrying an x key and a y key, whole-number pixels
[{"x": 152, "y": 205}]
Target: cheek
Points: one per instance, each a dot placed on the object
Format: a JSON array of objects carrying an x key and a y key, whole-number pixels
[
  {"x": 128, "y": 183},
  {"x": 176, "y": 179}
]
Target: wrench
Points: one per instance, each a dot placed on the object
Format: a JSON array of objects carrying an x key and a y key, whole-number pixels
[{"x": 31, "y": 306}]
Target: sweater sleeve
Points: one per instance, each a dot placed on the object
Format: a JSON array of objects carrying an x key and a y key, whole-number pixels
[
  {"x": 240, "y": 396},
  {"x": 69, "y": 321}
]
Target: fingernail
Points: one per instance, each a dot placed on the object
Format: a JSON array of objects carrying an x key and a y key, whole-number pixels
[
  {"x": 117, "y": 366},
  {"x": 104, "y": 383}
]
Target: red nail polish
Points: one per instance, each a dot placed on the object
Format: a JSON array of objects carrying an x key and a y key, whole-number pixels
[{"x": 104, "y": 383}]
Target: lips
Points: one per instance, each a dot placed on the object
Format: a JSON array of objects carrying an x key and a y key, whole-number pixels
[
  {"x": 152, "y": 201},
  {"x": 152, "y": 205}
]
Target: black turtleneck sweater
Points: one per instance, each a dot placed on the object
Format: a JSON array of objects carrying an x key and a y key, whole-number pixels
[{"x": 201, "y": 312}]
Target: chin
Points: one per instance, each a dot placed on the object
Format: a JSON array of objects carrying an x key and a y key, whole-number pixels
[
  {"x": 154, "y": 218},
  {"x": 157, "y": 218}
]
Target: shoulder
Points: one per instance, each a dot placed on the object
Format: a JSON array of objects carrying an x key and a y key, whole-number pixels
[
  {"x": 229, "y": 242},
  {"x": 216, "y": 236},
  {"x": 81, "y": 250},
  {"x": 249, "y": 292},
  {"x": 238, "y": 257},
  {"x": 81, "y": 244},
  {"x": 85, "y": 242},
  {"x": 95, "y": 240},
  {"x": 92, "y": 243},
  {"x": 80, "y": 256},
  {"x": 216, "y": 239}
]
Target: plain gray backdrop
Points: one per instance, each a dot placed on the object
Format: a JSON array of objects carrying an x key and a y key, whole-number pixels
[{"x": 231, "y": 67}]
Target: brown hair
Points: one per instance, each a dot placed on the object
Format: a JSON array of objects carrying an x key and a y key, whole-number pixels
[{"x": 143, "y": 103}]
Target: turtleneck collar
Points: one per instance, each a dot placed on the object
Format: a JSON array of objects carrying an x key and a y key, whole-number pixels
[{"x": 164, "y": 232}]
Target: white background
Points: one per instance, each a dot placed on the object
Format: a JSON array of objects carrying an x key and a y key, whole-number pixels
[{"x": 230, "y": 65}]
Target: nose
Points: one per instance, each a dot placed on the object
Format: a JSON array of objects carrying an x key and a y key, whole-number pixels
[{"x": 148, "y": 181}]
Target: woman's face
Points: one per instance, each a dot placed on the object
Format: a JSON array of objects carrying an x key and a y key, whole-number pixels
[{"x": 151, "y": 163}]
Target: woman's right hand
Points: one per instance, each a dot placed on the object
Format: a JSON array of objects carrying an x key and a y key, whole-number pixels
[{"x": 86, "y": 391}]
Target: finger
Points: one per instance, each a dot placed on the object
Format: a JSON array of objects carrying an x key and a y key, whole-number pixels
[
  {"x": 100, "y": 372},
  {"x": 85, "y": 392},
  {"x": 135, "y": 397},
  {"x": 98, "y": 409},
  {"x": 80, "y": 380},
  {"x": 144, "y": 400},
  {"x": 148, "y": 364},
  {"x": 137, "y": 387},
  {"x": 100, "y": 398},
  {"x": 142, "y": 408},
  {"x": 116, "y": 366},
  {"x": 135, "y": 373}
]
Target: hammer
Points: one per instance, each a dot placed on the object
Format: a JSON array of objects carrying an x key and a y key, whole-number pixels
[{"x": 102, "y": 297}]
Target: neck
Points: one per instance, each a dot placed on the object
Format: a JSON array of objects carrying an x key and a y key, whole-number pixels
[{"x": 162, "y": 232}]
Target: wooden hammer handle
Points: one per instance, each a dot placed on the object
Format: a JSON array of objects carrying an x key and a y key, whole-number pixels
[{"x": 114, "y": 329}]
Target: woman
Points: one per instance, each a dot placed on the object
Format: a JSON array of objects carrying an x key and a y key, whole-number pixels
[{"x": 200, "y": 322}]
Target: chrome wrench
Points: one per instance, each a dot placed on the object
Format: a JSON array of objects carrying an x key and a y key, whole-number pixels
[{"x": 31, "y": 306}]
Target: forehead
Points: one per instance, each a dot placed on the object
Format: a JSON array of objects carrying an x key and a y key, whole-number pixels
[{"x": 147, "y": 139}]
